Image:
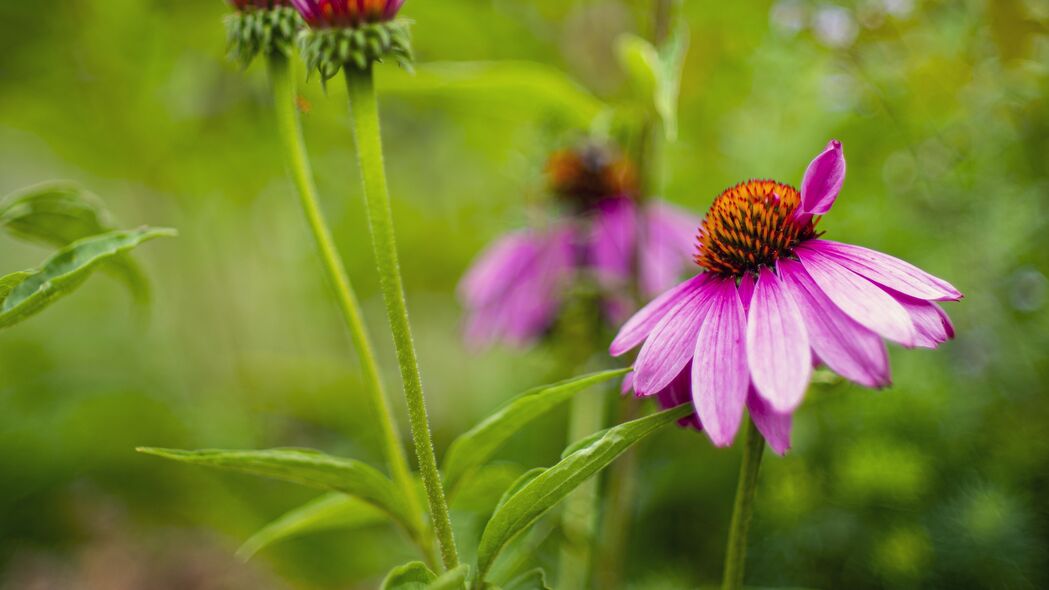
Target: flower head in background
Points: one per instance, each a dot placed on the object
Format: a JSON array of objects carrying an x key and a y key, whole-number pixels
[
  {"x": 515, "y": 290},
  {"x": 266, "y": 27},
  {"x": 346, "y": 13},
  {"x": 775, "y": 299},
  {"x": 353, "y": 34}
]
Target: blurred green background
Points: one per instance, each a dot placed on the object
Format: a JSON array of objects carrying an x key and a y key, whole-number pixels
[{"x": 940, "y": 481}]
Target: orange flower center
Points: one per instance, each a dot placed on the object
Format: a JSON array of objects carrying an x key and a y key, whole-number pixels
[{"x": 751, "y": 225}]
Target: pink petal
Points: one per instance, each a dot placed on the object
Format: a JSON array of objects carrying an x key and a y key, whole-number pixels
[
  {"x": 672, "y": 342},
  {"x": 641, "y": 325},
  {"x": 859, "y": 298},
  {"x": 719, "y": 367},
  {"x": 668, "y": 243},
  {"x": 823, "y": 180},
  {"x": 515, "y": 289},
  {"x": 612, "y": 238},
  {"x": 772, "y": 425},
  {"x": 777, "y": 345},
  {"x": 495, "y": 269},
  {"x": 931, "y": 322},
  {"x": 887, "y": 270},
  {"x": 849, "y": 349}
]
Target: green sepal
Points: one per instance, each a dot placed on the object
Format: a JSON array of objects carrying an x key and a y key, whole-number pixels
[
  {"x": 330, "y": 50},
  {"x": 262, "y": 31}
]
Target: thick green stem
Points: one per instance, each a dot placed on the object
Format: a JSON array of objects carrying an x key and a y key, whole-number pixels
[
  {"x": 290, "y": 129},
  {"x": 743, "y": 511},
  {"x": 365, "y": 114},
  {"x": 579, "y": 519}
]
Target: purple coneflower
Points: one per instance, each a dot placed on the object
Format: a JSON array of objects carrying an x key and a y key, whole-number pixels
[
  {"x": 515, "y": 289},
  {"x": 353, "y": 34},
  {"x": 346, "y": 13},
  {"x": 775, "y": 299}
]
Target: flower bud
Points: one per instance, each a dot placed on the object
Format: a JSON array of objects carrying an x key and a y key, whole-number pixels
[
  {"x": 261, "y": 26},
  {"x": 353, "y": 33}
]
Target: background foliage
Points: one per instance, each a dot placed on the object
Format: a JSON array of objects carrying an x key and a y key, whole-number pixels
[{"x": 939, "y": 481}]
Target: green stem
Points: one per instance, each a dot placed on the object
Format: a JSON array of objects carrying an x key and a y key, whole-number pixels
[
  {"x": 743, "y": 511},
  {"x": 365, "y": 113},
  {"x": 290, "y": 129},
  {"x": 579, "y": 519}
]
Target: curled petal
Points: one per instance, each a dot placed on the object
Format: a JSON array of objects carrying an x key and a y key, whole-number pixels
[
  {"x": 777, "y": 345},
  {"x": 823, "y": 180},
  {"x": 930, "y": 321}
]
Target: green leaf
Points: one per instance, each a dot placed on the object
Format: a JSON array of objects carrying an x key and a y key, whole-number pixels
[
  {"x": 413, "y": 575},
  {"x": 521, "y": 482},
  {"x": 59, "y": 213},
  {"x": 30, "y": 292},
  {"x": 518, "y": 84},
  {"x": 668, "y": 92},
  {"x": 327, "y": 512},
  {"x": 452, "y": 579},
  {"x": 583, "y": 442},
  {"x": 476, "y": 446},
  {"x": 309, "y": 468},
  {"x": 481, "y": 491},
  {"x": 656, "y": 73},
  {"x": 540, "y": 494},
  {"x": 640, "y": 60},
  {"x": 530, "y": 580}
]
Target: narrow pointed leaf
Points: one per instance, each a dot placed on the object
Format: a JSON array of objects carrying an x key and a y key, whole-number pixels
[
  {"x": 66, "y": 270},
  {"x": 476, "y": 446},
  {"x": 327, "y": 512},
  {"x": 540, "y": 494},
  {"x": 309, "y": 468},
  {"x": 60, "y": 213},
  {"x": 410, "y": 576},
  {"x": 521, "y": 482}
]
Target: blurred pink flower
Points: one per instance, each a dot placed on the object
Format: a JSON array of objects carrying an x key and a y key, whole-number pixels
[
  {"x": 515, "y": 288},
  {"x": 774, "y": 300},
  {"x": 346, "y": 13}
]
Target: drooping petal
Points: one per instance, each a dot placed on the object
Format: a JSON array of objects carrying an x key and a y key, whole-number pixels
[
  {"x": 515, "y": 289},
  {"x": 777, "y": 345},
  {"x": 823, "y": 180},
  {"x": 672, "y": 342},
  {"x": 719, "y": 367},
  {"x": 887, "y": 270},
  {"x": 668, "y": 242},
  {"x": 772, "y": 425},
  {"x": 931, "y": 322},
  {"x": 637, "y": 328},
  {"x": 494, "y": 270},
  {"x": 849, "y": 349},
  {"x": 612, "y": 238},
  {"x": 859, "y": 298}
]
